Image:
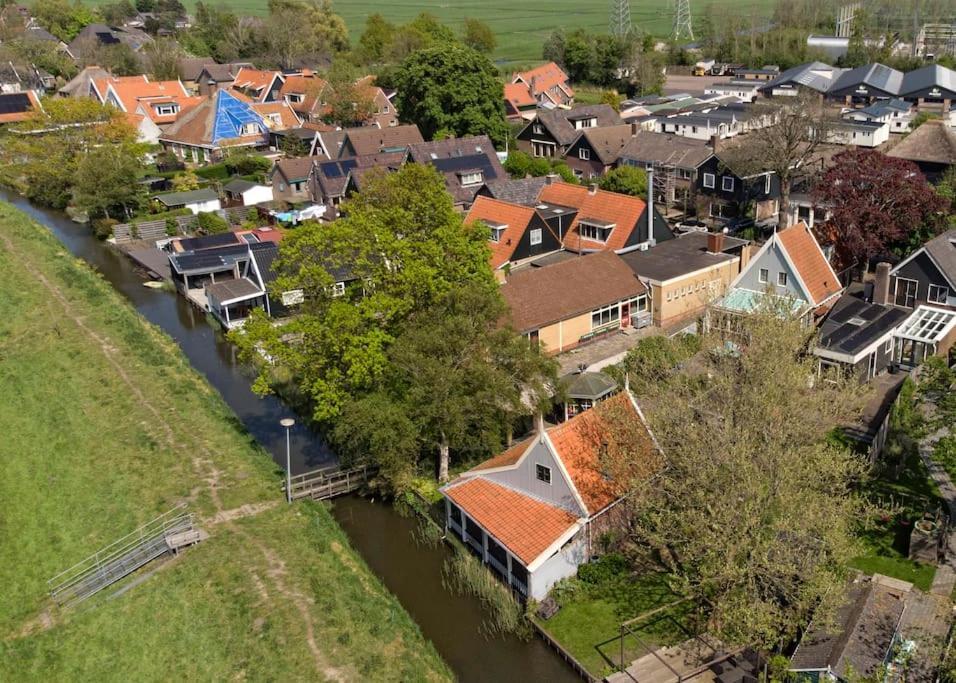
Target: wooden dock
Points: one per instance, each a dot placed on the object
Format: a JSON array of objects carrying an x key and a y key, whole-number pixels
[{"x": 329, "y": 482}]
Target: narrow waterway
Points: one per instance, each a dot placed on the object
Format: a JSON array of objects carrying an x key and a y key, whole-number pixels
[{"x": 383, "y": 537}]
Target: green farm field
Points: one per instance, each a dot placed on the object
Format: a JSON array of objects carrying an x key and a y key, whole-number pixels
[
  {"x": 105, "y": 426},
  {"x": 521, "y": 26}
]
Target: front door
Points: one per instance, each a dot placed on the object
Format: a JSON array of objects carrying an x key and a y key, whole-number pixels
[{"x": 625, "y": 315}]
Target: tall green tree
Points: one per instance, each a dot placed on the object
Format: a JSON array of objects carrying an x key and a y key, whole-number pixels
[
  {"x": 478, "y": 35},
  {"x": 451, "y": 88},
  {"x": 625, "y": 180},
  {"x": 755, "y": 513},
  {"x": 298, "y": 31},
  {"x": 404, "y": 244},
  {"x": 375, "y": 39},
  {"x": 62, "y": 19},
  {"x": 105, "y": 183}
]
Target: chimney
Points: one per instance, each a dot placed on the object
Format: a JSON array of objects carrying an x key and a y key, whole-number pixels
[
  {"x": 592, "y": 188},
  {"x": 714, "y": 142},
  {"x": 881, "y": 286},
  {"x": 715, "y": 242},
  {"x": 634, "y": 129},
  {"x": 550, "y": 178},
  {"x": 539, "y": 426}
]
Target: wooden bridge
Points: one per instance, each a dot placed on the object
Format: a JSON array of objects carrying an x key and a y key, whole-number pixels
[
  {"x": 329, "y": 482},
  {"x": 167, "y": 533}
]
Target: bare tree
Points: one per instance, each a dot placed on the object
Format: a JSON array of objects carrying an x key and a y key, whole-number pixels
[{"x": 798, "y": 126}]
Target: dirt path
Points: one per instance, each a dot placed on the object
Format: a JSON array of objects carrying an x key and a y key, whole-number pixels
[{"x": 206, "y": 471}]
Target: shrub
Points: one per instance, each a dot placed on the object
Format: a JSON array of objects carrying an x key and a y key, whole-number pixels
[
  {"x": 172, "y": 227},
  {"x": 103, "y": 227},
  {"x": 604, "y": 570},
  {"x": 211, "y": 223},
  {"x": 247, "y": 164}
]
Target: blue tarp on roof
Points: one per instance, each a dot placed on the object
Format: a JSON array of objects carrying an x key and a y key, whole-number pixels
[{"x": 230, "y": 117}]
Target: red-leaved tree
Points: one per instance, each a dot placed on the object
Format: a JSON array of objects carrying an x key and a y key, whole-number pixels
[{"x": 877, "y": 204}]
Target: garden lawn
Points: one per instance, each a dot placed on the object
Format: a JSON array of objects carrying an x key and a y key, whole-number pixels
[
  {"x": 591, "y": 614},
  {"x": 105, "y": 426}
]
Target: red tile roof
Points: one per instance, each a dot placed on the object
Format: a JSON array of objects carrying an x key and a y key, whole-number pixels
[
  {"x": 519, "y": 95},
  {"x": 254, "y": 79},
  {"x": 504, "y": 459},
  {"x": 620, "y": 209},
  {"x": 135, "y": 94},
  {"x": 515, "y": 216},
  {"x": 287, "y": 118},
  {"x": 310, "y": 87},
  {"x": 525, "y": 526},
  {"x": 814, "y": 269},
  {"x": 545, "y": 77}
]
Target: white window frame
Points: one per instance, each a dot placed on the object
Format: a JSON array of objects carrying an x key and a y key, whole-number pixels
[
  {"x": 888, "y": 346},
  {"x": 471, "y": 178},
  {"x": 782, "y": 279},
  {"x": 338, "y": 289},
  {"x": 584, "y": 154},
  {"x": 593, "y": 232},
  {"x": 536, "y": 236},
  {"x": 537, "y": 129},
  {"x": 710, "y": 180},
  {"x": 540, "y": 469},
  {"x": 497, "y": 233},
  {"x": 763, "y": 275},
  {"x": 295, "y": 98},
  {"x": 766, "y": 184},
  {"x": 166, "y": 109},
  {"x": 385, "y": 109},
  {"x": 723, "y": 183},
  {"x": 613, "y": 314},
  {"x": 896, "y": 289},
  {"x": 941, "y": 292},
  {"x": 249, "y": 129}
]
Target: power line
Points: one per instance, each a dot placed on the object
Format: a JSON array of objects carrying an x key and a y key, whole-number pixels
[
  {"x": 620, "y": 23},
  {"x": 683, "y": 24}
]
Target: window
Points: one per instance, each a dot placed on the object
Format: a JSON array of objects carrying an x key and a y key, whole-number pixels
[
  {"x": 683, "y": 174},
  {"x": 297, "y": 186},
  {"x": 275, "y": 118},
  {"x": 766, "y": 184},
  {"x": 542, "y": 473},
  {"x": 605, "y": 316},
  {"x": 538, "y": 129},
  {"x": 535, "y": 236},
  {"x": 471, "y": 178},
  {"x": 497, "y": 231},
  {"x": 638, "y": 304},
  {"x": 585, "y": 123},
  {"x": 709, "y": 180},
  {"x": 385, "y": 109},
  {"x": 781, "y": 279},
  {"x": 295, "y": 98},
  {"x": 542, "y": 149},
  {"x": 763, "y": 276},
  {"x": 584, "y": 154},
  {"x": 249, "y": 129},
  {"x": 593, "y": 231},
  {"x": 888, "y": 346},
  {"x": 937, "y": 294},
  {"x": 727, "y": 184},
  {"x": 338, "y": 289},
  {"x": 166, "y": 109}
]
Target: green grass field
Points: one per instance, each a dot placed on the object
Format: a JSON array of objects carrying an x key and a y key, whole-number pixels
[
  {"x": 522, "y": 25},
  {"x": 105, "y": 426}
]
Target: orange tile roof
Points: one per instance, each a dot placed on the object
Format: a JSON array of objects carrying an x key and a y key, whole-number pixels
[
  {"x": 579, "y": 442},
  {"x": 525, "y": 526},
  {"x": 814, "y": 269},
  {"x": 253, "y": 79},
  {"x": 519, "y": 95},
  {"x": 515, "y": 216},
  {"x": 309, "y": 86},
  {"x": 17, "y": 116},
  {"x": 139, "y": 96},
  {"x": 504, "y": 459},
  {"x": 100, "y": 84},
  {"x": 545, "y": 77},
  {"x": 287, "y": 117},
  {"x": 620, "y": 209}
]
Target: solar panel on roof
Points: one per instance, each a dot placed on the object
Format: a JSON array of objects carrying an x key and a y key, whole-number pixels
[
  {"x": 14, "y": 103},
  {"x": 107, "y": 38}
]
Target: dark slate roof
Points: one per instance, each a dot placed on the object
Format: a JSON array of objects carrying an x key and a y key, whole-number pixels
[
  {"x": 942, "y": 249},
  {"x": 208, "y": 241},
  {"x": 455, "y": 156},
  {"x": 930, "y": 76},
  {"x": 873, "y": 75},
  {"x": 862, "y": 636},
  {"x": 181, "y": 198},
  {"x": 226, "y": 290},
  {"x": 208, "y": 260},
  {"x": 589, "y": 385},
  {"x": 522, "y": 191},
  {"x": 679, "y": 256},
  {"x": 608, "y": 141},
  {"x": 239, "y": 185},
  {"x": 852, "y": 325},
  {"x": 332, "y": 177},
  {"x": 265, "y": 255},
  {"x": 667, "y": 150},
  {"x": 807, "y": 75},
  {"x": 560, "y": 121},
  {"x": 883, "y": 107}
]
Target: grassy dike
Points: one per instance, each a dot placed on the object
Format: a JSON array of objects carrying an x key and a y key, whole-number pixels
[{"x": 104, "y": 426}]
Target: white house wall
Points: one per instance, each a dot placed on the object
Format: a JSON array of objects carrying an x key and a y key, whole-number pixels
[
  {"x": 203, "y": 207},
  {"x": 259, "y": 194},
  {"x": 559, "y": 566}
]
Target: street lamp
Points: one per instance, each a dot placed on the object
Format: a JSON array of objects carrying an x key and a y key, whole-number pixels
[{"x": 287, "y": 422}]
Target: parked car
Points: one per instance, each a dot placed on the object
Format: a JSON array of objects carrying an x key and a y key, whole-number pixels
[{"x": 691, "y": 225}]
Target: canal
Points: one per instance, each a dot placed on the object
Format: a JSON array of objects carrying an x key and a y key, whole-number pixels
[{"x": 383, "y": 537}]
